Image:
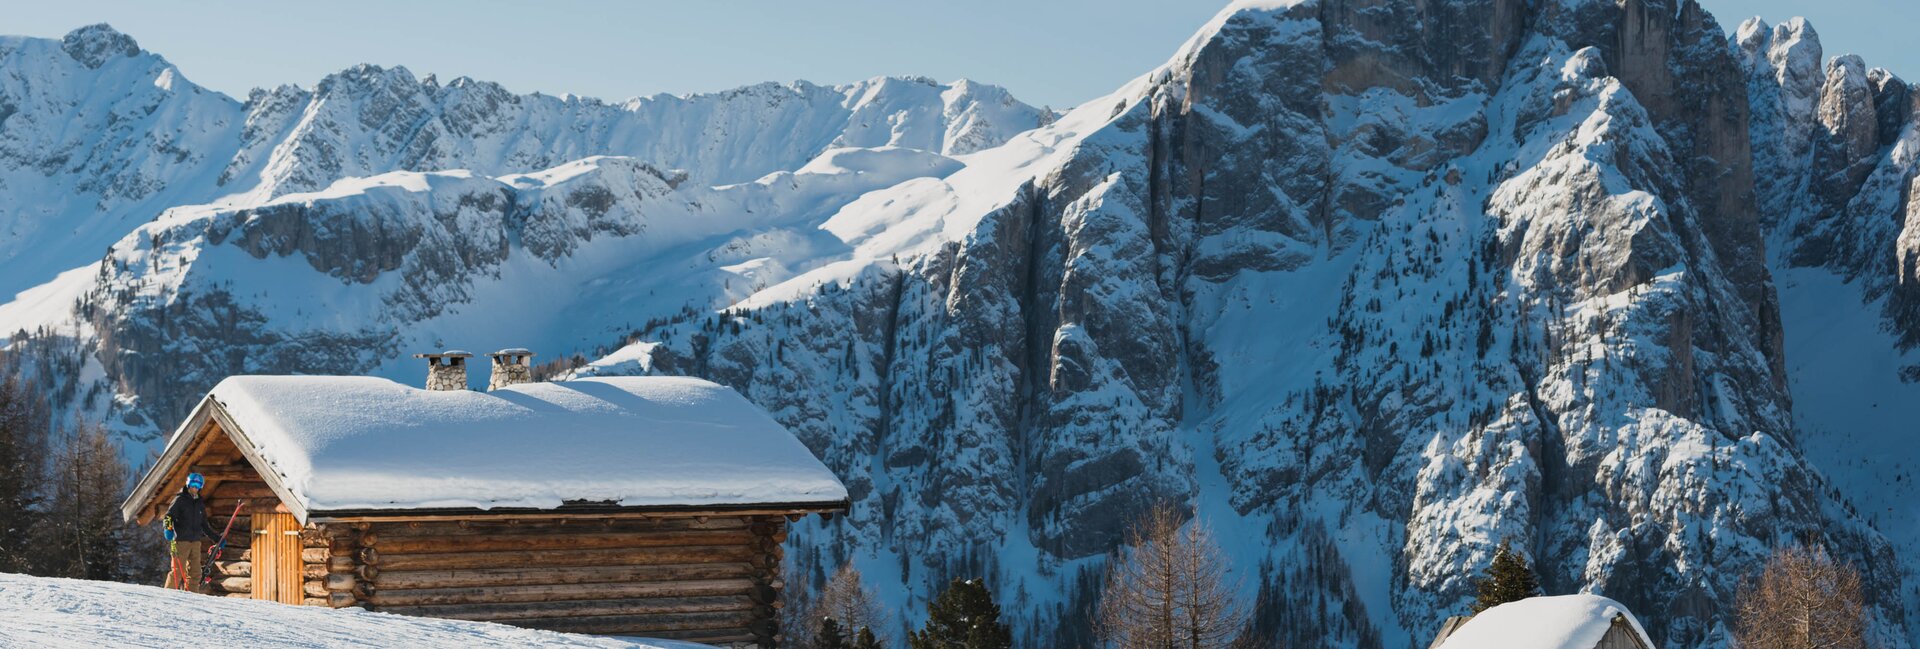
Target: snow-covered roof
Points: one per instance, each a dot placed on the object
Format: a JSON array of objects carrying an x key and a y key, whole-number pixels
[
  {"x": 1557, "y": 622},
  {"x": 353, "y": 444}
]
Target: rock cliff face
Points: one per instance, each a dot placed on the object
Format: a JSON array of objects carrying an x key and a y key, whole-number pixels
[
  {"x": 1373, "y": 284},
  {"x": 1839, "y": 199}
]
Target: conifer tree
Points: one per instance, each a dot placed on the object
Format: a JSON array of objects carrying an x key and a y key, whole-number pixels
[
  {"x": 1508, "y": 579},
  {"x": 829, "y": 636},
  {"x": 23, "y": 449},
  {"x": 963, "y": 617},
  {"x": 865, "y": 639}
]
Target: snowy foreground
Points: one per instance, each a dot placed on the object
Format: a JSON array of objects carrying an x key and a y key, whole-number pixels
[{"x": 41, "y": 612}]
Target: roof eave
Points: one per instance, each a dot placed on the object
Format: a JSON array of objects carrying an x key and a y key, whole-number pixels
[
  {"x": 582, "y": 511},
  {"x": 190, "y": 430},
  {"x": 182, "y": 437}
]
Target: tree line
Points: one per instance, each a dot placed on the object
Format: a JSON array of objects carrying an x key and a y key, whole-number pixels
[
  {"x": 61, "y": 485},
  {"x": 1169, "y": 586}
]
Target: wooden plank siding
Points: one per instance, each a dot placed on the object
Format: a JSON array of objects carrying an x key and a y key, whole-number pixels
[
  {"x": 1620, "y": 635},
  {"x": 710, "y": 579},
  {"x": 278, "y": 573}
]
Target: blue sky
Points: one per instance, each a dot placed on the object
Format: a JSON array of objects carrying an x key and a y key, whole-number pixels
[{"x": 1058, "y": 52}]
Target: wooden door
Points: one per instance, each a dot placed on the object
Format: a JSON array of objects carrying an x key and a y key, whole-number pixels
[{"x": 276, "y": 558}]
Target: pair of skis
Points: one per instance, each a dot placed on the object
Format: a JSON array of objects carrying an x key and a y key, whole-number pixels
[
  {"x": 221, "y": 547},
  {"x": 179, "y": 567}
]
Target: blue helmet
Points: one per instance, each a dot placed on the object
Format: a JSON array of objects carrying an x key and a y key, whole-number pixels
[{"x": 196, "y": 480}]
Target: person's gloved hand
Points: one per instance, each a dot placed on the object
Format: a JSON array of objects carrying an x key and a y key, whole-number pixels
[{"x": 168, "y": 534}]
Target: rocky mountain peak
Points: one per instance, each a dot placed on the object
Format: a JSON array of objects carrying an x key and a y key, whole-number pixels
[{"x": 94, "y": 45}]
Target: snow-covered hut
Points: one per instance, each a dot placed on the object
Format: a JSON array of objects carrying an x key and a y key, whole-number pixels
[
  {"x": 648, "y": 506},
  {"x": 1558, "y": 622}
]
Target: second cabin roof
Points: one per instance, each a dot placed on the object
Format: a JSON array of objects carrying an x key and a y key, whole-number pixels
[
  {"x": 348, "y": 443},
  {"x": 1551, "y": 622}
]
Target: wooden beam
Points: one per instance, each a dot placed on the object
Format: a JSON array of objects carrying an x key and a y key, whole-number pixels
[
  {"x": 507, "y": 611},
  {"x": 562, "y": 541},
  {"x": 645, "y": 624},
  {"x": 715, "y": 637},
  {"x": 242, "y": 489},
  {"x": 402, "y": 516},
  {"x": 539, "y": 527},
  {"x": 226, "y": 471},
  {"x": 390, "y": 596},
  {"x": 560, "y": 558},
  {"x": 522, "y": 576},
  {"x": 233, "y": 568},
  {"x": 339, "y": 582}
]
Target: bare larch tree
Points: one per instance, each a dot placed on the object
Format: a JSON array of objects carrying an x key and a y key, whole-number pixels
[
  {"x": 1170, "y": 587},
  {"x": 845, "y": 598},
  {"x": 1803, "y": 599}
]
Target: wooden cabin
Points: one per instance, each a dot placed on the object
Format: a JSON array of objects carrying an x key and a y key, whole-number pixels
[
  {"x": 1558, "y": 622},
  {"x": 644, "y": 506}
]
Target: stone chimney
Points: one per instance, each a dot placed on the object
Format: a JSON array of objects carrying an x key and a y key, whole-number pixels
[
  {"x": 446, "y": 370},
  {"x": 510, "y": 367}
]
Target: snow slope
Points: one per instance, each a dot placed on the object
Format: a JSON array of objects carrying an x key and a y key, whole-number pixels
[{"x": 76, "y": 614}]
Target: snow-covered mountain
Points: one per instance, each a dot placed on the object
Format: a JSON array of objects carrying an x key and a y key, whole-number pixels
[
  {"x": 1376, "y": 284},
  {"x": 98, "y": 136}
]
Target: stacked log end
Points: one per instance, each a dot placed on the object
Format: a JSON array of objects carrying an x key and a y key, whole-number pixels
[
  {"x": 332, "y": 558},
  {"x": 769, "y": 533}
]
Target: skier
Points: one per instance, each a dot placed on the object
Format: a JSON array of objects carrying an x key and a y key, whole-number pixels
[{"x": 189, "y": 530}]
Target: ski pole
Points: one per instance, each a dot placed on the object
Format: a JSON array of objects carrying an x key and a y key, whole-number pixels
[{"x": 173, "y": 552}]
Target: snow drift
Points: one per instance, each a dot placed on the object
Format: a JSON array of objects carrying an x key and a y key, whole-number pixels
[{"x": 76, "y": 614}]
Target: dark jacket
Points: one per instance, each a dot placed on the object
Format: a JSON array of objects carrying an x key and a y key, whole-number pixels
[{"x": 189, "y": 516}]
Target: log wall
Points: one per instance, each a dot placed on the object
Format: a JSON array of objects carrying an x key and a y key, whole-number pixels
[
  {"x": 699, "y": 578},
  {"x": 712, "y": 579}
]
